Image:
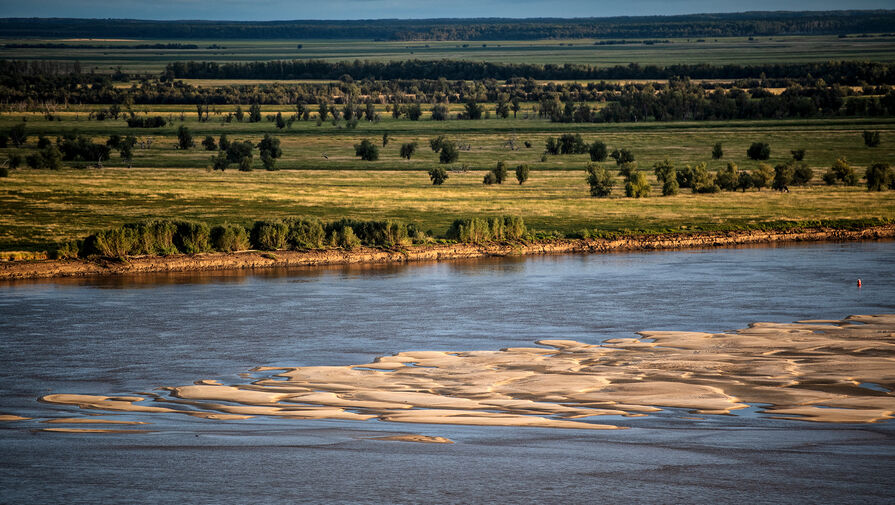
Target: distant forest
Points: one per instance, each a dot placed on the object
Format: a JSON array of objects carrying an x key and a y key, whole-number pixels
[
  {"x": 844, "y": 72},
  {"x": 698, "y": 25}
]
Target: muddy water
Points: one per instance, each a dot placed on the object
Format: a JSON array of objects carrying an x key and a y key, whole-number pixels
[{"x": 126, "y": 335}]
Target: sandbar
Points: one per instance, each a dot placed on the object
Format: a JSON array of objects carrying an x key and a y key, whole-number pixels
[{"x": 808, "y": 371}]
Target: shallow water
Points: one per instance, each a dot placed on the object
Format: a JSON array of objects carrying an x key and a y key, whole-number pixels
[{"x": 120, "y": 336}]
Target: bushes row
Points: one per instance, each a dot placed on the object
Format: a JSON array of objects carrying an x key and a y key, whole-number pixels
[
  {"x": 163, "y": 237},
  {"x": 475, "y": 230}
]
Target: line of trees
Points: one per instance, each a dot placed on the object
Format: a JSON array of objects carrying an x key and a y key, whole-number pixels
[
  {"x": 844, "y": 72},
  {"x": 701, "y": 25}
]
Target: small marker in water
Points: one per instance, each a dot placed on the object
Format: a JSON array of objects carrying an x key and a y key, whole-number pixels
[{"x": 859, "y": 282}]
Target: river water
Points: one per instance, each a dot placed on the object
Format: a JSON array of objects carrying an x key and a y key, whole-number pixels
[{"x": 126, "y": 335}]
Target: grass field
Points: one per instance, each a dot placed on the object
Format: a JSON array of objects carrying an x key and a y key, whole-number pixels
[
  {"x": 734, "y": 50},
  {"x": 42, "y": 207},
  {"x": 305, "y": 143}
]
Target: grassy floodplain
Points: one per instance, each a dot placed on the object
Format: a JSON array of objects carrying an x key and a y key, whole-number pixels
[
  {"x": 720, "y": 50},
  {"x": 41, "y": 208}
]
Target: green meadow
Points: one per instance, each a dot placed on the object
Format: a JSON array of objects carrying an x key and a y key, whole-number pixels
[{"x": 717, "y": 51}]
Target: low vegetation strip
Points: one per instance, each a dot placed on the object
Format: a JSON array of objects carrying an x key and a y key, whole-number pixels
[{"x": 374, "y": 244}]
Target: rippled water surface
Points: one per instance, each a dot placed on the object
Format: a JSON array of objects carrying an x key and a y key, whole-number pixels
[{"x": 121, "y": 336}]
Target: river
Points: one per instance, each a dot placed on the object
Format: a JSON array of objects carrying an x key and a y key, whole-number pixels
[{"x": 131, "y": 334}]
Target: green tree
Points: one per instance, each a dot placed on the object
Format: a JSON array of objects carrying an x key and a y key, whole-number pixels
[
  {"x": 269, "y": 162},
  {"x": 17, "y": 135},
  {"x": 727, "y": 178},
  {"x": 209, "y": 143},
  {"x": 759, "y": 151},
  {"x": 670, "y": 187},
  {"x": 184, "y": 138},
  {"x": 439, "y": 112},
  {"x": 798, "y": 154},
  {"x": 14, "y": 160},
  {"x": 841, "y": 171},
  {"x": 271, "y": 146},
  {"x": 223, "y": 142},
  {"x": 407, "y": 150},
  {"x": 598, "y": 151},
  {"x": 522, "y": 172},
  {"x": 637, "y": 186},
  {"x": 220, "y": 161},
  {"x": 280, "y": 122},
  {"x": 438, "y": 175},
  {"x": 744, "y": 181},
  {"x": 414, "y": 112},
  {"x": 622, "y": 156},
  {"x": 664, "y": 170},
  {"x": 879, "y": 176},
  {"x": 473, "y": 110},
  {"x": 489, "y": 179},
  {"x": 783, "y": 177},
  {"x": 599, "y": 179},
  {"x": 436, "y": 143},
  {"x": 871, "y": 138},
  {"x": 801, "y": 174},
  {"x": 366, "y": 150},
  {"x": 572, "y": 144},
  {"x": 449, "y": 152},
  {"x": 717, "y": 151},
  {"x": 239, "y": 114},
  {"x": 762, "y": 176},
  {"x": 500, "y": 172},
  {"x": 255, "y": 113}
]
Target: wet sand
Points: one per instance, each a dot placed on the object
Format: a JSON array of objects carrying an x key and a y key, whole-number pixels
[{"x": 820, "y": 371}]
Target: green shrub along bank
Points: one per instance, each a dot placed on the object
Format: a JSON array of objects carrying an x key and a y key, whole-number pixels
[{"x": 164, "y": 237}]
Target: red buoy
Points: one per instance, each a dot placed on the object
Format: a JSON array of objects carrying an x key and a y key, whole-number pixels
[{"x": 859, "y": 282}]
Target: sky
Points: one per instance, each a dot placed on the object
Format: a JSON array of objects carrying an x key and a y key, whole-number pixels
[{"x": 266, "y": 10}]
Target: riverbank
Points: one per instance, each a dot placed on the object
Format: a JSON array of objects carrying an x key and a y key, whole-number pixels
[{"x": 429, "y": 252}]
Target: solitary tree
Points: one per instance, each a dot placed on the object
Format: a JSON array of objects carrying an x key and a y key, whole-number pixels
[
  {"x": 759, "y": 151},
  {"x": 500, "y": 172},
  {"x": 184, "y": 138},
  {"x": 598, "y": 151},
  {"x": 798, "y": 154},
  {"x": 407, "y": 150},
  {"x": 280, "y": 122},
  {"x": 522, "y": 172},
  {"x": 436, "y": 143},
  {"x": 871, "y": 138},
  {"x": 717, "y": 151},
  {"x": 438, "y": 175},
  {"x": 223, "y": 142},
  {"x": 366, "y": 150}
]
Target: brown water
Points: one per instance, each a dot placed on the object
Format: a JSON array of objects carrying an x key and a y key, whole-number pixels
[{"x": 122, "y": 336}]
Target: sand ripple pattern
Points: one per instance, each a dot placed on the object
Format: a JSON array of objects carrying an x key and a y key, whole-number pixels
[{"x": 826, "y": 371}]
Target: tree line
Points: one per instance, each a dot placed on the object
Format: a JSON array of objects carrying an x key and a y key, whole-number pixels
[
  {"x": 842, "y": 72},
  {"x": 701, "y": 25}
]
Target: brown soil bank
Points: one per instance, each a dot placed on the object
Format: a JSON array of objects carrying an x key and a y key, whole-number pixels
[{"x": 256, "y": 259}]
